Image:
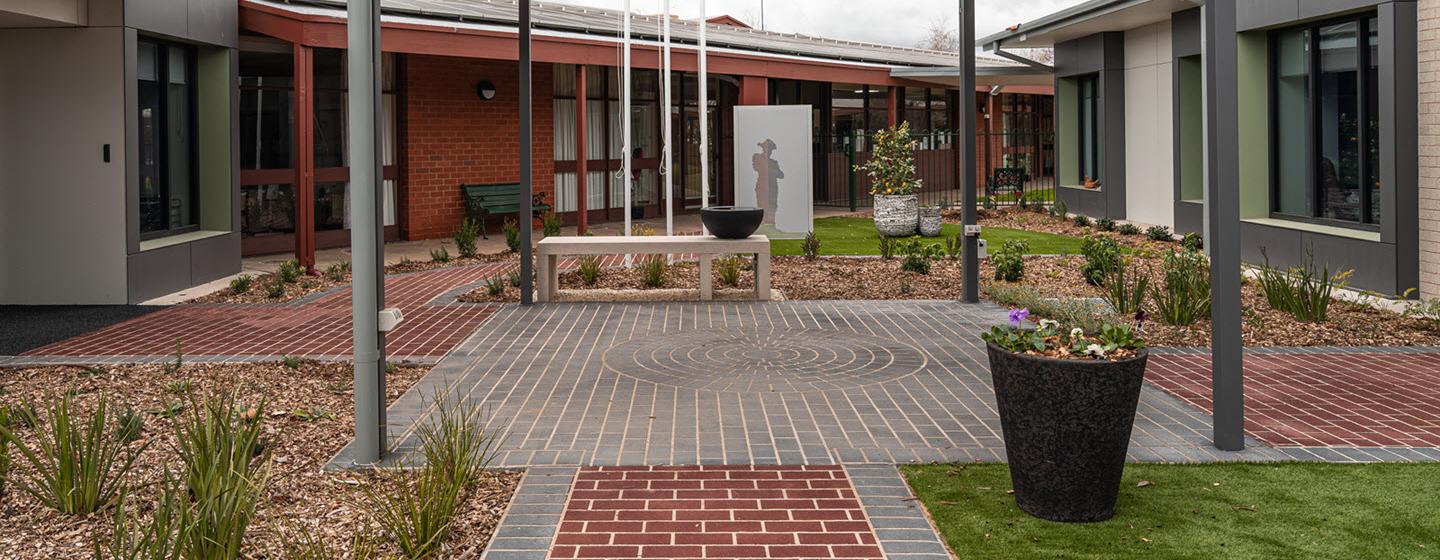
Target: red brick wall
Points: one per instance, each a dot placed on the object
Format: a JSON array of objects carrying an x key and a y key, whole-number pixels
[{"x": 454, "y": 138}]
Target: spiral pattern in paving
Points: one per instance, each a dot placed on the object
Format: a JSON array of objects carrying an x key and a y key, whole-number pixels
[{"x": 771, "y": 360}]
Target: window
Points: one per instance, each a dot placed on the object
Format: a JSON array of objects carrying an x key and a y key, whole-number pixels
[
  {"x": 167, "y": 146},
  {"x": 1089, "y": 140},
  {"x": 1325, "y": 122}
]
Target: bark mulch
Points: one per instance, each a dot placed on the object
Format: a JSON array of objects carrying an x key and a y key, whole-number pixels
[
  {"x": 323, "y": 280},
  {"x": 826, "y": 278},
  {"x": 1349, "y": 323},
  {"x": 307, "y": 419}
]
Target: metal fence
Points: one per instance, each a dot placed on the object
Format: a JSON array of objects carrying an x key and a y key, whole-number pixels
[{"x": 1012, "y": 167}]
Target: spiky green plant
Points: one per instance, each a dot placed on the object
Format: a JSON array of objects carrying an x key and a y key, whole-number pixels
[
  {"x": 653, "y": 270},
  {"x": 5, "y": 461},
  {"x": 1183, "y": 295},
  {"x": 219, "y": 443},
  {"x": 888, "y": 246},
  {"x": 728, "y": 268},
  {"x": 242, "y": 283},
  {"x": 811, "y": 246},
  {"x": 589, "y": 269},
  {"x": 1123, "y": 290},
  {"x": 440, "y": 255},
  {"x": 77, "y": 466},
  {"x": 160, "y": 536},
  {"x": 495, "y": 285},
  {"x": 512, "y": 234}
]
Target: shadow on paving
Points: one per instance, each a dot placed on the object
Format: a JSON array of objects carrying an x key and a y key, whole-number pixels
[{"x": 27, "y": 327}]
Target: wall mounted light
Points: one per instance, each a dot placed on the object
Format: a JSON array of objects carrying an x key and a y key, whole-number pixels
[{"x": 485, "y": 89}]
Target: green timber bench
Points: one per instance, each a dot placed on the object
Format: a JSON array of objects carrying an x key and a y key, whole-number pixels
[{"x": 481, "y": 201}]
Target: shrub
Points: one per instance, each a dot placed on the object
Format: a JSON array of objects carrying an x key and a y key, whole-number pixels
[
  {"x": 1183, "y": 296},
  {"x": 811, "y": 246},
  {"x": 653, "y": 270},
  {"x": 1128, "y": 229},
  {"x": 551, "y": 224},
  {"x": 1082, "y": 220},
  {"x": 512, "y": 234},
  {"x": 955, "y": 246},
  {"x": 466, "y": 238},
  {"x": 495, "y": 285},
  {"x": 219, "y": 445},
  {"x": 642, "y": 230},
  {"x": 180, "y": 387},
  {"x": 441, "y": 255},
  {"x": 918, "y": 256},
  {"x": 891, "y": 166},
  {"x": 1159, "y": 233},
  {"x": 1009, "y": 260},
  {"x": 77, "y": 465},
  {"x": 514, "y": 278},
  {"x": 338, "y": 271},
  {"x": 292, "y": 362},
  {"x": 1105, "y": 224},
  {"x": 289, "y": 271},
  {"x": 589, "y": 269},
  {"x": 1058, "y": 210},
  {"x": 241, "y": 284},
  {"x": 1193, "y": 242},
  {"x": 418, "y": 516},
  {"x": 159, "y": 538},
  {"x": 1125, "y": 292},
  {"x": 1102, "y": 254},
  {"x": 729, "y": 269},
  {"x": 887, "y": 247},
  {"x": 1427, "y": 310},
  {"x": 276, "y": 288},
  {"x": 1302, "y": 291}
]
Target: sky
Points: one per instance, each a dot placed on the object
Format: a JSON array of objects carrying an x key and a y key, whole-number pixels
[{"x": 895, "y": 22}]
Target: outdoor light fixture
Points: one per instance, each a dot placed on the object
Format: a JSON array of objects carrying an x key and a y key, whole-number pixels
[{"x": 485, "y": 89}]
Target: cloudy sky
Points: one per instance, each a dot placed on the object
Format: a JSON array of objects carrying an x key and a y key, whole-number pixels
[{"x": 898, "y": 22}]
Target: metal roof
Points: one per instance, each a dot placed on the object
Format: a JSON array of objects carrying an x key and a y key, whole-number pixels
[{"x": 601, "y": 22}]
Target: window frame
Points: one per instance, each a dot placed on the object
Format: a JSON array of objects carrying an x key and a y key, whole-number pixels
[
  {"x": 1315, "y": 191},
  {"x": 1093, "y": 138},
  {"x": 162, "y": 77}
]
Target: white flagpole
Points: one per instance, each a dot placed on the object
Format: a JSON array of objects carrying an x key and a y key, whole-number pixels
[
  {"x": 665, "y": 115},
  {"x": 625, "y": 158},
  {"x": 704, "y": 118}
]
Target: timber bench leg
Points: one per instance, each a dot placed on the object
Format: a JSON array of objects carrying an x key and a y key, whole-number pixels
[{"x": 707, "y": 289}]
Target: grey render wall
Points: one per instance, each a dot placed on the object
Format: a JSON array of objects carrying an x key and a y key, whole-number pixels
[
  {"x": 1149, "y": 126},
  {"x": 61, "y": 206},
  {"x": 1102, "y": 54}
]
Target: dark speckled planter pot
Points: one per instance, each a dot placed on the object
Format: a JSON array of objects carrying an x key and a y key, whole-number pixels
[{"x": 1067, "y": 428}]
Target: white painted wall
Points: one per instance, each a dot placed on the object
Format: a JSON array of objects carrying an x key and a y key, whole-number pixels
[
  {"x": 1149, "y": 126},
  {"x": 62, "y": 209}
]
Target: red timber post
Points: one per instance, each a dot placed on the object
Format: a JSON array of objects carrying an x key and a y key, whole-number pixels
[
  {"x": 305, "y": 157},
  {"x": 582, "y": 158}
]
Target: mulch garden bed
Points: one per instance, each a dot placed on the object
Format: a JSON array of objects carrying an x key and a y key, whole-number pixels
[
  {"x": 1349, "y": 323},
  {"x": 307, "y": 418},
  {"x": 325, "y": 280}
]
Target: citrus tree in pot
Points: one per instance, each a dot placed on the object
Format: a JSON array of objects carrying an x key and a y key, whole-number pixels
[
  {"x": 1067, "y": 406},
  {"x": 892, "y": 181}
]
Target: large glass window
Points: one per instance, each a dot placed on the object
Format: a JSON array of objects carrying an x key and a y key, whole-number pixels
[
  {"x": 1088, "y": 141},
  {"x": 167, "y": 166},
  {"x": 1325, "y": 124}
]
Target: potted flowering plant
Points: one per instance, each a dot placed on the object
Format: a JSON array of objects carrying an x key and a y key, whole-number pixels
[
  {"x": 892, "y": 181},
  {"x": 1067, "y": 405}
]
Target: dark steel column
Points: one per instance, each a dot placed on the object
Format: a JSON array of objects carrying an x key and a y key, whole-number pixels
[
  {"x": 527, "y": 195},
  {"x": 1223, "y": 208},
  {"x": 966, "y": 149}
]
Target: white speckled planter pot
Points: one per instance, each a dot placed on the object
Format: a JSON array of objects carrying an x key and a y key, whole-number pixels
[
  {"x": 930, "y": 222},
  {"x": 896, "y": 216}
]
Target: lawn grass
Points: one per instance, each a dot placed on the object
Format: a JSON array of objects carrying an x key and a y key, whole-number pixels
[
  {"x": 857, "y": 236},
  {"x": 1206, "y": 512}
]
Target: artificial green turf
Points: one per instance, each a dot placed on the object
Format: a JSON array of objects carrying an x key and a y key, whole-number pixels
[
  {"x": 1209, "y": 512},
  {"x": 857, "y": 236}
]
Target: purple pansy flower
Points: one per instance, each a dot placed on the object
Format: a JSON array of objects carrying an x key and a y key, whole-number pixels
[{"x": 1018, "y": 316}]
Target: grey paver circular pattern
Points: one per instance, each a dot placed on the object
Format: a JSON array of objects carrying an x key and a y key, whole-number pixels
[{"x": 766, "y": 360}]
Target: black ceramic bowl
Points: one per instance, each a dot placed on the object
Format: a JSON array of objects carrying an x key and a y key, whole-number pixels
[{"x": 732, "y": 222}]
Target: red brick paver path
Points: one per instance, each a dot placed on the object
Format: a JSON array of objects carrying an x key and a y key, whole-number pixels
[
  {"x": 318, "y": 328},
  {"x": 1323, "y": 400},
  {"x": 714, "y": 512}
]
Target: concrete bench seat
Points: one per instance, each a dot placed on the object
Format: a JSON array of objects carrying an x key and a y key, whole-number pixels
[{"x": 550, "y": 249}]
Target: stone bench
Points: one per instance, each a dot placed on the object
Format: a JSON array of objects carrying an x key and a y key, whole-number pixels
[{"x": 550, "y": 249}]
